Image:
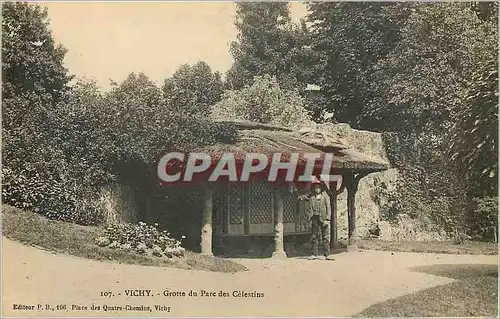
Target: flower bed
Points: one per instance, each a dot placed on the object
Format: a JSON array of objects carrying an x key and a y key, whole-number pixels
[{"x": 142, "y": 239}]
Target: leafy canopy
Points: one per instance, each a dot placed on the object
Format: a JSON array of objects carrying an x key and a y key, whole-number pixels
[
  {"x": 193, "y": 89},
  {"x": 269, "y": 42},
  {"x": 31, "y": 61},
  {"x": 264, "y": 102}
]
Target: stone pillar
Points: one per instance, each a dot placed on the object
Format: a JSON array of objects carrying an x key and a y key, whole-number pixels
[
  {"x": 206, "y": 225},
  {"x": 279, "y": 247}
]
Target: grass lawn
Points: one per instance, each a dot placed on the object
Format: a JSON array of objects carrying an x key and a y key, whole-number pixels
[
  {"x": 443, "y": 247},
  {"x": 32, "y": 229},
  {"x": 475, "y": 293}
]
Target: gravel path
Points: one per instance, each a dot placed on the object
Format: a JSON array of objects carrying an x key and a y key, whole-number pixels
[{"x": 291, "y": 287}]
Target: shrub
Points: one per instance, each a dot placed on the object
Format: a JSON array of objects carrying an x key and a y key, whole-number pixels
[
  {"x": 142, "y": 239},
  {"x": 483, "y": 219},
  {"x": 49, "y": 196},
  {"x": 57, "y": 156},
  {"x": 429, "y": 190}
]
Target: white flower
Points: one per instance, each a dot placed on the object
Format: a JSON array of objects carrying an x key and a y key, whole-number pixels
[{"x": 183, "y": 237}]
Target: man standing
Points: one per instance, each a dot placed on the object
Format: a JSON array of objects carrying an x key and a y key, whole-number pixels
[{"x": 320, "y": 212}]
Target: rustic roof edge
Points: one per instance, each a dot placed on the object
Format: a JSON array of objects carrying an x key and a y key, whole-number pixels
[
  {"x": 255, "y": 126},
  {"x": 359, "y": 160}
]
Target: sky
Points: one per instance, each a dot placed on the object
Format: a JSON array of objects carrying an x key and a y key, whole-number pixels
[{"x": 108, "y": 40}]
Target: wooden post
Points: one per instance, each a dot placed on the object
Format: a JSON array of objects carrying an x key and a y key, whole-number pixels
[
  {"x": 352, "y": 182},
  {"x": 279, "y": 247},
  {"x": 206, "y": 226},
  {"x": 333, "y": 219}
]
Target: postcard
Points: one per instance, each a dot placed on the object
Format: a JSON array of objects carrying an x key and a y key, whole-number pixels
[{"x": 249, "y": 159}]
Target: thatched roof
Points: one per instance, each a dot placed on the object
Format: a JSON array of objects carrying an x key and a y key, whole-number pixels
[
  {"x": 271, "y": 139},
  {"x": 247, "y": 125},
  {"x": 260, "y": 141}
]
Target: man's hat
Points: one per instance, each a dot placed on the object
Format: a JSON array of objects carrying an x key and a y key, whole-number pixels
[{"x": 316, "y": 181}]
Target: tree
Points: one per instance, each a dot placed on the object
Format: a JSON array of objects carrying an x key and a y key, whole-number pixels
[
  {"x": 61, "y": 143},
  {"x": 193, "y": 89},
  {"x": 136, "y": 112},
  {"x": 268, "y": 43},
  {"x": 411, "y": 69},
  {"x": 348, "y": 39},
  {"x": 263, "y": 102},
  {"x": 34, "y": 81},
  {"x": 31, "y": 61},
  {"x": 34, "y": 170},
  {"x": 426, "y": 76},
  {"x": 143, "y": 126},
  {"x": 474, "y": 134}
]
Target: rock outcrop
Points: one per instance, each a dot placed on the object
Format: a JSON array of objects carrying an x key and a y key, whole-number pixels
[
  {"x": 118, "y": 203},
  {"x": 368, "y": 198}
]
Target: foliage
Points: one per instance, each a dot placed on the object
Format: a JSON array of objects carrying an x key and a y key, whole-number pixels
[
  {"x": 436, "y": 79},
  {"x": 432, "y": 192},
  {"x": 147, "y": 127},
  {"x": 486, "y": 11},
  {"x": 417, "y": 69},
  {"x": 31, "y": 61},
  {"x": 429, "y": 189},
  {"x": 58, "y": 155},
  {"x": 84, "y": 133},
  {"x": 39, "y": 152},
  {"x": 193, "y": 89},
  {"x": 263, "y": 102},
  {"x": 425, "y": 77},
  {"x": 268, "y": 43},
  {"x": 348, "y": 39},
  {"x": 133, "y": 127},
  {"x": 37, "y": 149},
  {"x": 27, "y": 190},
  {"x": 134, "y": 110},
  {"x": 140, "y": 238},
  {"x": 474, "y": 134},
  {"x": 381, "y": 66},
  {"x": 483, "y": 219}
]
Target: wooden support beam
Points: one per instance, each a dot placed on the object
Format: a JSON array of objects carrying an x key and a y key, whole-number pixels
[
  {"x": 352, "y": 182},
  {"x": 279, "y": 247},
  {"x": 334, "y": 244},
  {"x": 342, "y": 187},
  {"x": 351, "y": 219},
  {"x": 206, "y": 226}
]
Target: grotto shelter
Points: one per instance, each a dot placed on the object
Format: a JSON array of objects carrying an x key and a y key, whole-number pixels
[{"x": 234, "y": 214}]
